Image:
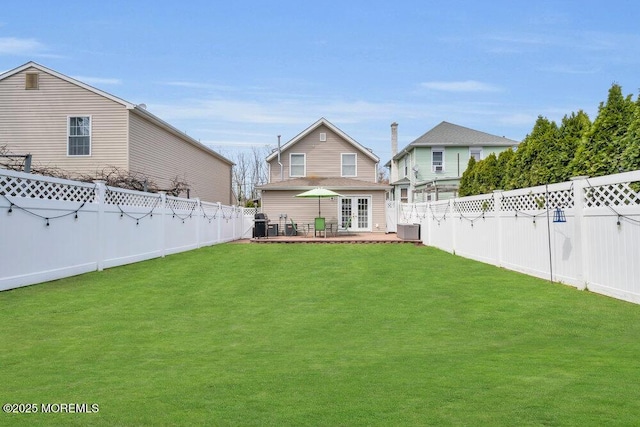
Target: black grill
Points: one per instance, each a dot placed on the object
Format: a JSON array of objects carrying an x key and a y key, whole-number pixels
[{"x": 260, "y": 222}]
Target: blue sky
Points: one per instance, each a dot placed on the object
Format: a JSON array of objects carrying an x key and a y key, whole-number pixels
[{"x": 236, "y": 74}]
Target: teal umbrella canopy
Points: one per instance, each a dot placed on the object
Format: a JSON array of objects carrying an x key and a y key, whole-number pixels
[{"x": 319, "y": 193}]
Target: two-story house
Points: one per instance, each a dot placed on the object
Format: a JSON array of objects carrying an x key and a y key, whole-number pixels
[
  {"x": 67, "y": 124},
  {"x": 430, "y": 167},
  {"x": 324, "y": 156}
]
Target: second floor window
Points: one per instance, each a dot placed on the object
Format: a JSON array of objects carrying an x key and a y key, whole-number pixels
[
  {"x": 297, "y": 165},
  {"x": 437, "y": 160},
  {"x": 349, "y": 164},
  {"x": 79, "y": 136}
]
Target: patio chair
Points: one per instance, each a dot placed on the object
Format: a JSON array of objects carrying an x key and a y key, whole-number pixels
[
  {"x": 296, "y": 231},
  {"x": 319, "y": 226},
  {"x": 345, "y": 230}
]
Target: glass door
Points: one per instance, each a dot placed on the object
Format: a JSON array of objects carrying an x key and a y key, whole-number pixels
[{"x": 355, "y": 213}]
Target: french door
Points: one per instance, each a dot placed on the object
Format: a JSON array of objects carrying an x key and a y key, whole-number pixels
[{"x": 358, "y": 209}]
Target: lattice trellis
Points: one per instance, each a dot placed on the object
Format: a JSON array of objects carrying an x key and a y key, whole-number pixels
[
  {"x": 538, "y": 201},
  {"x": 227, "y": 212},
  {"x": 474, "y": 206},
  {"x": 421, "y": 209},
  {"x": 619, "y": 194},
  {"x": 210, "y": 211},
  {"x": 406, "y": 210},
  {"x": 115, "y": 196},
  {"x": 181, "y": 204},
  {"x": 39, "y": 189}
]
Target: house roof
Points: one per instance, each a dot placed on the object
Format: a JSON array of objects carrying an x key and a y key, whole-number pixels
[
  {"x": 331, "y": 183},
  {"x": 137, "y": 109},
  {"x": 327, "y": 123},
  {"x": 449, "y": 135}
]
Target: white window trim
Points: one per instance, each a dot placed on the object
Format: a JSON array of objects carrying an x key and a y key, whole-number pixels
[
  {"x": 355, "y": 157},
  {"x": 476, "y": 149},
  {"x": 69, "y": 117},
  {"x": 433, "y": 167},
  {"x": 304, "y": 165}
]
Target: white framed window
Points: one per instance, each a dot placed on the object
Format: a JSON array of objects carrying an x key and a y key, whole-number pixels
[
  {"x": 404, "y": 195},
  {"x": 79, "y": 136},
  {"x": 349, "y": 164},
  {"x": 476, "y": 153},
  {"x": 323, "y": 137},
  {"x": 406, "y": 166},
  {"x": 297, "y": 165},
  {"x": 437, "y": 160}
]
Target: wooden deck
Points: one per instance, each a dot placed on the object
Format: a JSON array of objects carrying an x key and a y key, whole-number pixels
[{"x": 349, "y": 238}]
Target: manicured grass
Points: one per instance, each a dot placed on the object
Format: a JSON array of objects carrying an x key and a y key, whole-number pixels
[{"x": 318, "y": 335}]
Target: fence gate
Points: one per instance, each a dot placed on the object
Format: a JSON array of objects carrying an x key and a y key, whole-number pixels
[{"x": 391, "y": 213}]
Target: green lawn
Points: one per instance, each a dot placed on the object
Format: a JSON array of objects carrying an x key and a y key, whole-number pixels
[{"x": 329, "y": 335}]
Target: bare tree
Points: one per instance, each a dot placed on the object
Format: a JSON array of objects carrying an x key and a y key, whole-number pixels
[
  {"x": 383, "y": 175},
  {"x": 250, "y": 171}
]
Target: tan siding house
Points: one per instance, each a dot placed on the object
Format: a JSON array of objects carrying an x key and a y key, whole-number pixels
[
  {"x": 324, "y": 156},
  {"x": 70, "y": 125}
]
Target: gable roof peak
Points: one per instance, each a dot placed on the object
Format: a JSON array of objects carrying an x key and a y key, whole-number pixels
[{"x": 323, "y": 121}]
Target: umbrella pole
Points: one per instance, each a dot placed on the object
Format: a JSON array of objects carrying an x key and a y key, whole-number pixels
[{"x": 318, "y": 206}]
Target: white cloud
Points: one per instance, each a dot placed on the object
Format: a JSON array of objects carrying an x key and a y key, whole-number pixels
[
  {"x": 16, "y": 46},
  {"x": 460, "y": 86}
]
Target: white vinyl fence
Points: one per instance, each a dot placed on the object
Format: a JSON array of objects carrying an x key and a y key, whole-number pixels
[
  {"x": 597, "y": 248},
  {"x": 52, "y": 228}
]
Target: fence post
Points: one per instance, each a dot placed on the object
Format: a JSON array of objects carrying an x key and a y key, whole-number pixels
[
  {"x": 580, "y": 236},
  {"x": 163, "y": 223},
  {"x": 219, "y": 223},
  {"x": 497, "y": 212},
  {"x": 453, "y": 226},
  {"x": 100, "y": 194},
  {"x": 198, "y": 222}
]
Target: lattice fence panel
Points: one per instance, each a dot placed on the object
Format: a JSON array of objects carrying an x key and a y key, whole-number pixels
[
  {"x": 406, "y": 210},
  {"x": 474, "y": 206},
  {"x": 43, "y": 189},
  {"x": 228, "y": 212},
  {"x": 422, "y": 210},
  {"x": 538, "y": 201},
  {"x": 250, "y": 211},
  {"x": 439, "y": 211},
  {"x": 181, "y": 204},
  {"x": 618, "y": 194},
  {"x": 115, "y": 196},
  {"x": 210, "y": 211}
]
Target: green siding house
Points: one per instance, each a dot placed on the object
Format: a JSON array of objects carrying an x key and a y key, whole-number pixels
[{"x": 430, "y": 167}]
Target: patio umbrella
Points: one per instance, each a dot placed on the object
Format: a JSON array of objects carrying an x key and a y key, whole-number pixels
[{"x": 319, "y": 193}]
